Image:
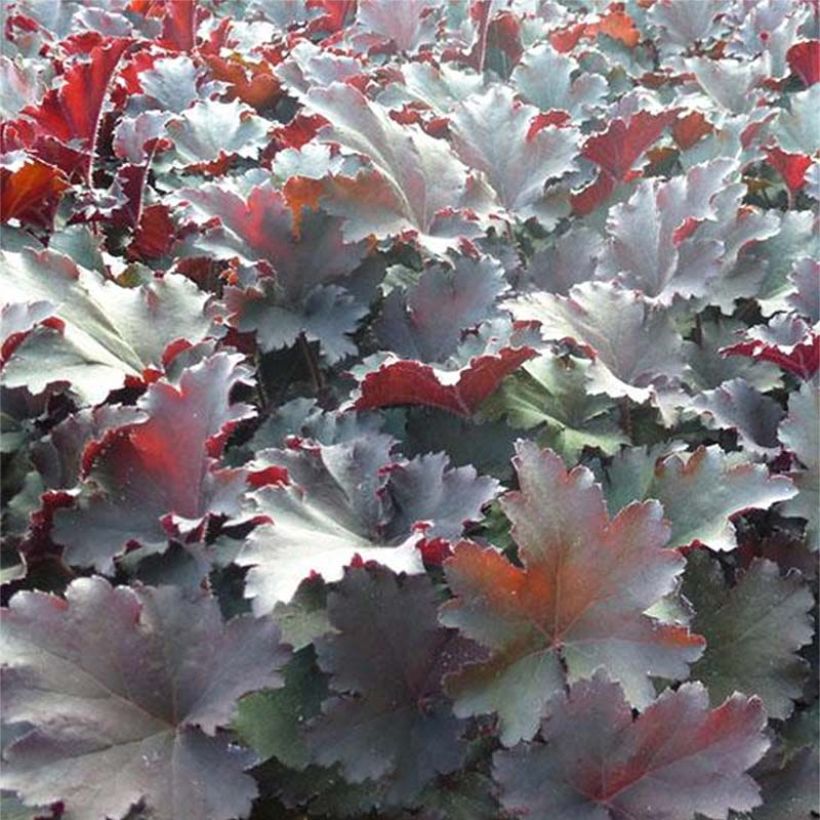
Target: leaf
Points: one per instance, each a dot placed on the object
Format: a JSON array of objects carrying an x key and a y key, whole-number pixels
[
  {"x": 209, "y": 134},
  {"x": 172, "y": 84},
  {"x": 459, "y": 390},
  {"x": 676, "y": 760},
  {"x": 66, "y": 120},
  {"x": 347, "y": 499},
  {"x": 791, "y": 167},
  {"x": 655, "y": 244},
  {"x": 425, "y": 320},
  {"x": 428, "y": 492},
  {"x": 787, "y": 341},
  {"x": 259, "y": 227},
  {"x": 271, "y": 722},
  {"x": 795, "y": 131},
  {"x": 519, "y": 166},
  {"x": 577, "y": 602},
  {"x": 103, "y": 340},
  {"x": 706, "y": 369},
  {"x": 789, "y": 783},
  {"x": 415, "y": 179},
  {"x": 570, "y": 259},
  {"x": 753, "y": 632},
  {"x": 148, "y": 481},
  {"x": 469, "y": 797},
  {"x": 328, "y": 315},
  {"x": 59, "y": 455},
  {"x": 23, "y": 84},
  {"x": 633, "y": 345},
  {"x": 406, "y": 26},
  {"x": 805, "y": 297},
  {"x": 390, "y": 718},
  {"x": 617, "y": 149},
  {"x": 804, "y": 60},
  {"x": 550, "y": 394},
  {"x": 738, "y": 406},
  {"x": 729, "y": 83},
  {"x": 683, "y": 25},
  {"x": 700, "y": 491},
  {"x": 799, "y": 434},
  {"x": 544, "y": 77},
  {"x": 30, "y": 191},
  {"x": 128, "y": 687}
]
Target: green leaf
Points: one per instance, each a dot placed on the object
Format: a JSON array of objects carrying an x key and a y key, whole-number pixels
[
  {"x": 551, "y": 393},
  {"x": 753, "y": 631}
]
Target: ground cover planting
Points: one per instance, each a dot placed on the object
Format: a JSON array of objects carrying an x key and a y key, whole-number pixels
[{"x": 410, "y": 409}]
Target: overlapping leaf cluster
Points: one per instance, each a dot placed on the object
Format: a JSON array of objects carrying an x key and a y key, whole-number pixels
[{"x": 410, "y": 408}]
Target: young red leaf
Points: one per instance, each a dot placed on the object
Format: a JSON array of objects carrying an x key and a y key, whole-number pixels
[
  {"x": 147, "y": 481},
  {"x": 678, "y": 759},
  {"x": 179, "y": 24},
  {"x": 804, "y": 60},
  {"x": 30, "y": 191},
  {"x": 791, "y": 167},
  {"x": 70, "y": 116},
  {"x": 577, "y": 603},
  {"x": 787, "y": 341},
  {"x": 618, "y": 148},
  {"x": 127, "y": 688},
  {"x": 461, "y": 391}
]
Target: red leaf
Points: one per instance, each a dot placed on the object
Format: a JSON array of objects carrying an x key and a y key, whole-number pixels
[
  {"x": 403, "y": 382},
  {"x": 617, "y": 24},
  {"x": 618, "y": 148},
  {"x": 30, "y": 193},
  {"x": 576, "y": 599},
  {"x": 504, "y": 34},
  {"x": 541, "y": 121},
  {"x": 791, "y": 167},
  {"x": 138, "y": 477},
  {"x": 588, "y": 199},
  {"x": 564, "y": 40},
  {"x": 253, "y": 83},
  {"x": 690, "y": 129},
  {"x": 154, "y": 235},
  {"x": 179, "y": 25},
  {"x": 787, "y": 342},
  {"x": 678, "y": 759},
  {"x": 72, "y": 112},
  {"x": 804, "y": 60},
  {"x": 337, "y": 14}
]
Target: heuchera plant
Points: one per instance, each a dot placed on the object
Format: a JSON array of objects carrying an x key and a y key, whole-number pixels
[{"x": 410, "y": 409}]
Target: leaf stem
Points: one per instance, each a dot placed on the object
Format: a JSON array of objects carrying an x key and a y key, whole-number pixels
[
  {"x": 316, "y": 377},
  {"x": 626, "y": 417},
  {"x": 697, "y": 336},
  {"x": 483, "y": 29}
]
